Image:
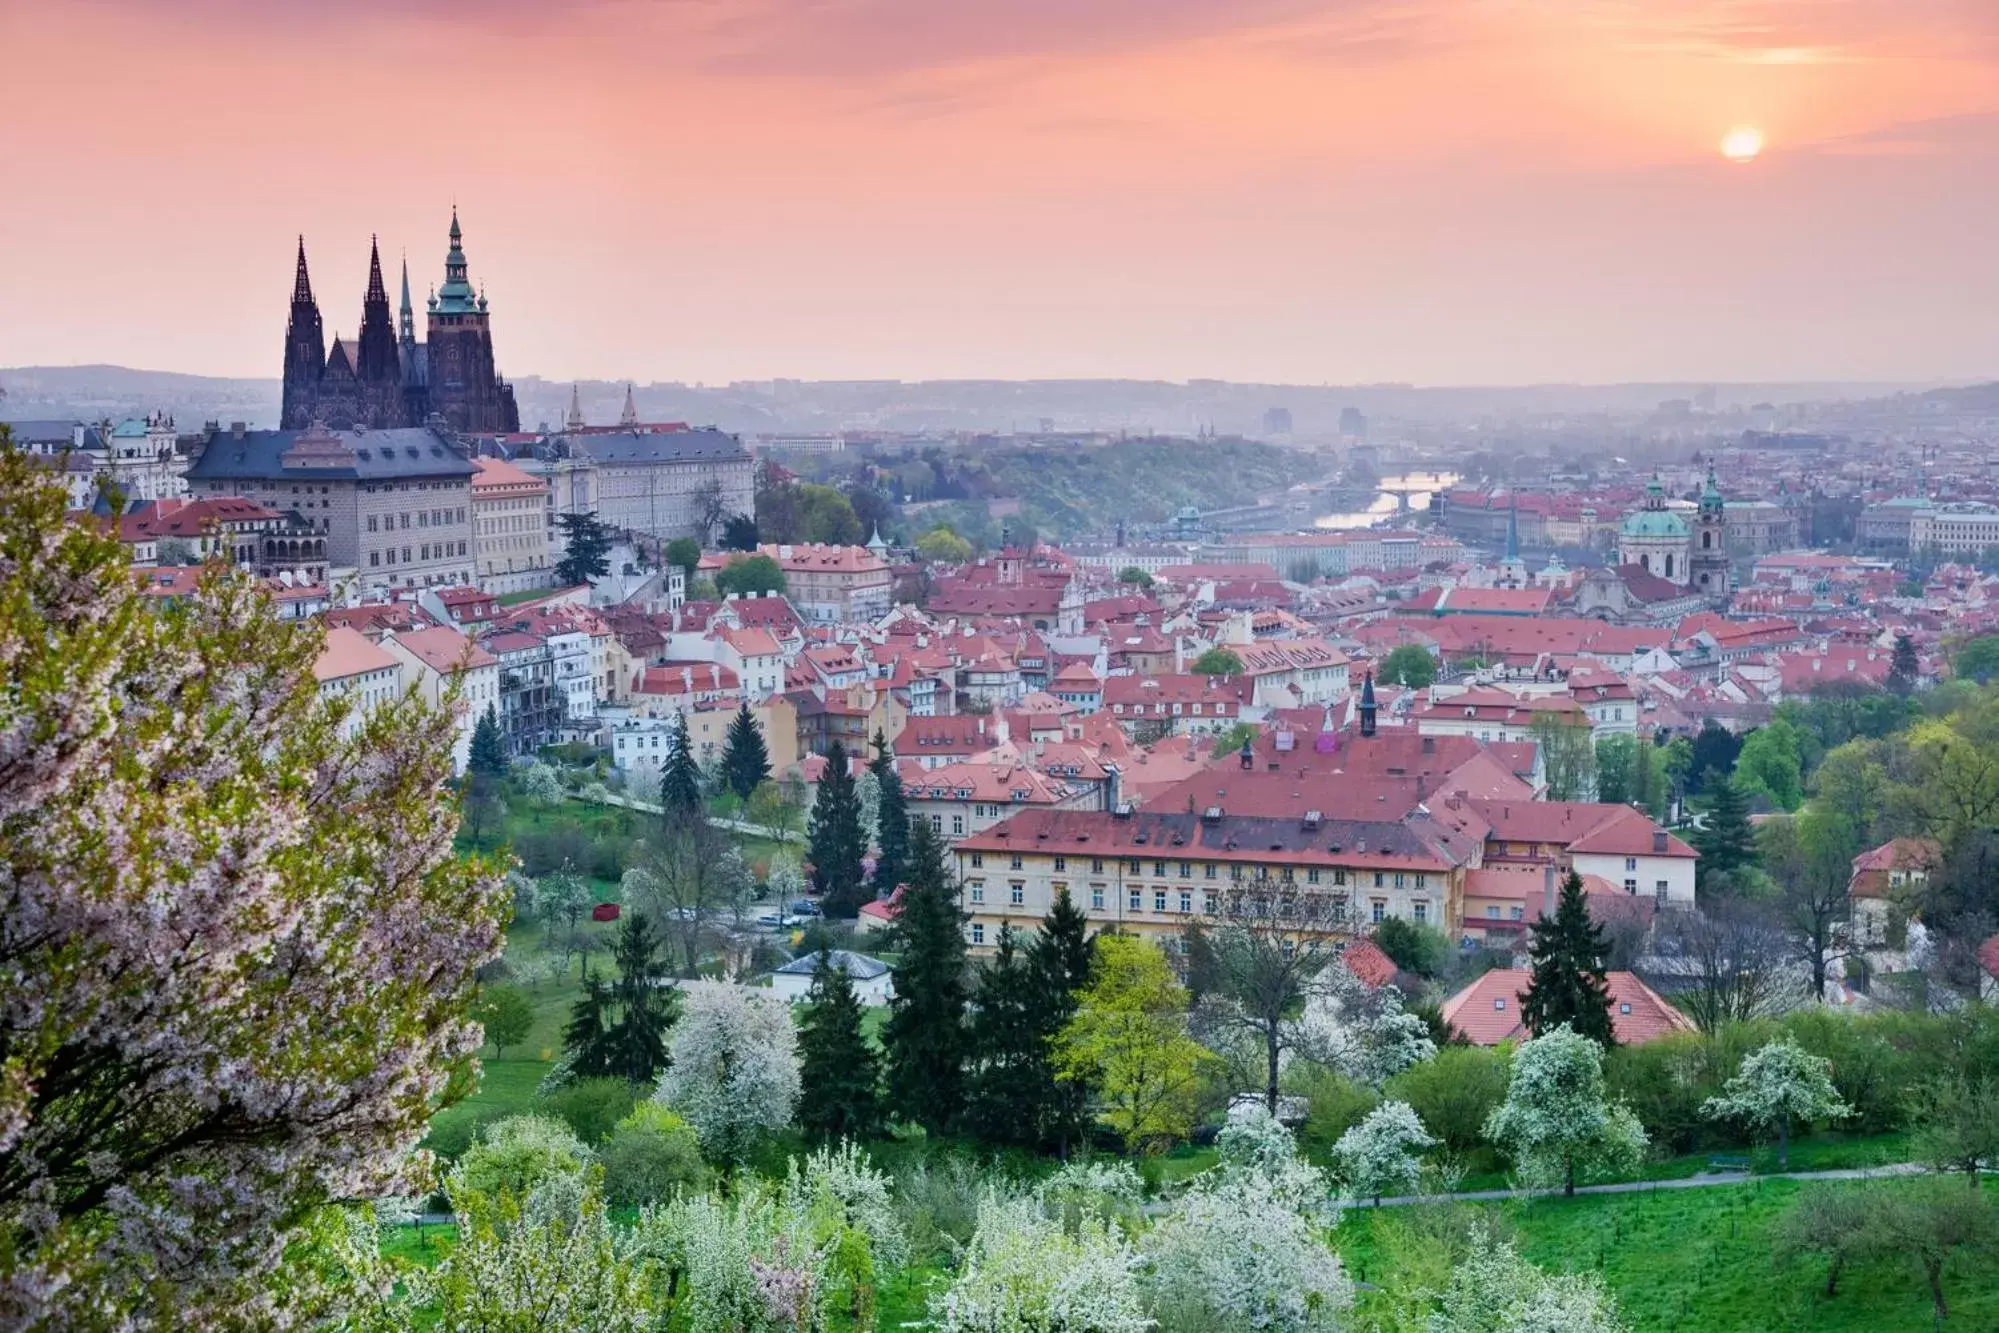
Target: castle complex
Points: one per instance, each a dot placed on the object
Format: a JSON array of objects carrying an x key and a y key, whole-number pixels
[{"x": 386, "y": 379}]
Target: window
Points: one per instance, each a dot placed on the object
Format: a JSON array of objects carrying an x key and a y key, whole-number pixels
[
  {"x": 1134, "y": 867},
  {"x": 1398, "y": 879},
  {"x": 1137, "y": 901},
  {"x": 1492, "y": 910},
  {"x": 1096, "y": 865},
  {"x": 1499, "y": 1004},
  {"x": 1378, "y": 910},
  {"x": 958, "y": 824},
  {"x": 1159, "y": 900},
  {"x": 1422, "y": 880},
  {"x": 371, "y": 523},
  {"x": 1016, "y": 893},
  {"x": 1312, "y": 875},
  {"x": 1208, "y": 903},
  {"x": 1624, "y": 1007},
  {"x": 1186, "y": 900},
  {"x": 1659, "y": 891},
  {"x": 1235, "y": 873},
  {"x": 1096, "y": 897},
  {"x": 1517, "y": 913},
  {"x": 1421, "y": 912},
  {"x": 1016, "y": 862},
  {"x": 1061, "y": 864},
  {"x": 978, "y": 892},
  {"x": 1186, "y": 870},
  {"x": 374, "y": 559},
  {"x": 978, "y": 932},
  {"x": 1339, "y": 876},
  {"x": 1377, "y": 879},
  {"x": 1631, "y": 886},
  {"x": 978, "y": 860},
  {"x": 1630, "y": 863},
  {"x": 936, "y": 823}
]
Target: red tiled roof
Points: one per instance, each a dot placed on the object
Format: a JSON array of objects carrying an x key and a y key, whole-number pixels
[{"x": 1488, "y": 1011}]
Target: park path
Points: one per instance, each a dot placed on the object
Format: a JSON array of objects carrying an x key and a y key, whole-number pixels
[
  {"x": 1703, "y": 1181},
  {"x": 716, "y": 821}
]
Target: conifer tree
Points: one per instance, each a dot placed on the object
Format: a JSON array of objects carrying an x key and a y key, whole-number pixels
[
  {"x": 745, "y": 760},
  {"x": 838, "y": 1069},
  {"x": 646, "y": 1008},
  {"x": 891, "y": 818},
  {"x": 1903, "y": 667},
  {"x": 488, "y": 756},
  {"x": 924, "y": 1039},
  {"x": 586, "y": 549},
  {"x": 680, "y": 784},
  {"x": 834, "y": 840},
  {"x": 1007, "y": 1075},
  {"x": 619, "y": 1028},
  {"x": 1059, "y": 960},
  {"x": 1567, "y": 983},
  {"x": 585, "y": 1048},
  {"x": 1725, "y": 841}
]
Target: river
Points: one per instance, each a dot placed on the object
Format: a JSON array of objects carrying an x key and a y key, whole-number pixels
[{"x": 1421, "y": 485}]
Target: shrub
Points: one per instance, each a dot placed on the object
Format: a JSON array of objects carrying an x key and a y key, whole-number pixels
[
  {"x": 1454, "y": 1092},
  {"x": 592, "y": 1107},
  {"x": 651, "y": 1154},
  {"x": 513, "y": 1156},
  {"x": 1335, "y": 1104}
]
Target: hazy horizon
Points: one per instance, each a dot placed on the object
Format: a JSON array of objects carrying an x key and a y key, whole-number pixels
[{"x": 1447, "y": 193}]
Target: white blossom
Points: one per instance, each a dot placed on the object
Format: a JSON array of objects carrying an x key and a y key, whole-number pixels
[
  {"x": 1556, "y": 1121},
  {"x": 1494, "y": 1290},
  {"x": 734, "y": 1075},
  {"x": 1024, "y": 1273},
  {"x": 1378, "y": 1156},
  {"x": 1364, "y": 1034},
  {"x": 1779, "y": 1085}
]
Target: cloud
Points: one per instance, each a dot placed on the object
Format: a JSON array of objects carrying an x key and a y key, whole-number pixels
[{"x": 1968, "y": 135}]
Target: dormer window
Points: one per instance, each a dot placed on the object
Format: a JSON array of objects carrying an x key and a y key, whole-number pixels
[{"x": 1499, "y": 1006}]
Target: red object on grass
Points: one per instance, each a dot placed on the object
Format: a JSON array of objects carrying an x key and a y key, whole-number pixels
[{"x": 605, "y": 912}]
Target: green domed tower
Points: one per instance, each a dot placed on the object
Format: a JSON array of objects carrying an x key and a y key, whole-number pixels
[
  {"x": 1710, "y": 549},
  {"x": 1656, "y": 539}
]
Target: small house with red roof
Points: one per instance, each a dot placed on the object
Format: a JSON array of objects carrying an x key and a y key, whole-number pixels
[{"x": 1489, "y": 1011}]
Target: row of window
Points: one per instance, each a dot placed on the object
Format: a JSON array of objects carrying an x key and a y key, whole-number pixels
[
  {"x": 1209, "y": 870},
  {"x": 429, "y": 551},
  {"x": 1159, "y": 709},
  {"x": 425, "y": 518},
  {"x": 1377, "y": 909}
]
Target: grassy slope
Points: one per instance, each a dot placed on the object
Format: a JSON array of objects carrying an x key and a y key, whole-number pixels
[{"x": 1700, "y": 1260}]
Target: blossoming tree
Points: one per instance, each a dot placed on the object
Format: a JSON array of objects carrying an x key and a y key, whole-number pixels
[
  {"x": 236, "y": 951},
  {"x": 1776, "y": 1085},
  {"x": 734, "y": 1074},
  {"x": 1379, "y": 1155},
  {"x": 1556, "y": 1120}
]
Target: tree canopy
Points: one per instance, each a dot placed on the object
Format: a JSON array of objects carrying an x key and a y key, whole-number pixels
[
  {"x": 248, "y": 1002},
  {"x": 1217, "y": 662},
  {"x": 1566, "y": 986},
  {"x": 586, "y": 549},
  {"x": 1409, "y": 665},
  {"x": 751, "y": 576}
]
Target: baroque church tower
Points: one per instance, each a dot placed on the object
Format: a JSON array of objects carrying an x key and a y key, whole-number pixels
[{"x": 1708, "y": 562}]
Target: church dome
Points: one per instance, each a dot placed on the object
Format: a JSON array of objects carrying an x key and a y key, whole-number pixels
[{"x": 1655, "y": 523}]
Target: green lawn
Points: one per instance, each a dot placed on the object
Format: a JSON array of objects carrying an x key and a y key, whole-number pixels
[
  {"x": 1820, "y": 1152},
  {"x": 1699, "y": 1259}
]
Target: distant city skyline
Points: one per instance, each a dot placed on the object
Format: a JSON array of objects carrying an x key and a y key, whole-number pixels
[{"x": 1445, "y": 192}]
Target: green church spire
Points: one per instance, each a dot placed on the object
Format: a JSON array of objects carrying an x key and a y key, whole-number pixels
[{"x": 456, "y": 296}]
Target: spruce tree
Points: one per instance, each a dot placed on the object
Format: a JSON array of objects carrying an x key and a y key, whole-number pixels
[
  {"x": 585, "y": 1047},
  {"x": 680, "y": 784},
  {"x": 635, "y": 1043},
  {"x": 834, "y": 840},
  {"x": 488, "y": 756},
  {"x": 924, "y": 1039},
  {"x": 892, "y": 818},
  {"x": 1725, "y": 839},
  {"x": 586, "y": 549},
  {"x": 1567, "y": 982},
  {"x": 1007, "y": 1075},
  {"x": 745, "y": 760},
  {"x": 838, "y": 1070},
  {"x": 1059, "y": 960}
]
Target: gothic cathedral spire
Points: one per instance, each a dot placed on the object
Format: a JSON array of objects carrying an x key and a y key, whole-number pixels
[
  {"x": 305, "y": 352},
  {"x": 629, "y": 418}
]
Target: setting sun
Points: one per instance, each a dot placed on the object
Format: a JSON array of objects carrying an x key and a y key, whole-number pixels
[{"x": 1742, "y": 144}]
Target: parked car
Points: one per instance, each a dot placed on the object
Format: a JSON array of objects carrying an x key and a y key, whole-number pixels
[
  {"x": 804, "y": 907},
  {"x": 778, "y": 921}
]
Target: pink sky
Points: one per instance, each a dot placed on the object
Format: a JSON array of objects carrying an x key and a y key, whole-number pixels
[{"x": 1441, "y": 191}]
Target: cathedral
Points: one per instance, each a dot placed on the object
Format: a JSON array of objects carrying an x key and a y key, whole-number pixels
[{"x": 385, "y": 378}]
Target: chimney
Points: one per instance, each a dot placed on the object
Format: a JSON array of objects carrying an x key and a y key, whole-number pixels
[
  {"x": 1659, "y": 842},
  {"x": 1548, "y": 895},
  {"x": 237, "y": 429}
]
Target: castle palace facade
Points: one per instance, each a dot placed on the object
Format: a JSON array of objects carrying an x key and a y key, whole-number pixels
[{"x": 385, "y": 379}]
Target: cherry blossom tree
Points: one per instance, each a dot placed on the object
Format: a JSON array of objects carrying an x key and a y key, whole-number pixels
[
  {"x": 236, "y": 951},
  {"x": 1556, "y": 1121},
  {"x": 1379, "y": 1155},
  {"x": 734, "y": 1074},
  {"x": 1778, "y": 1084},
  {"x": 1494, "y": 1290},
  {"x": 1246, "y": 1246},
  {"x": 1025, "y": 1273}
]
